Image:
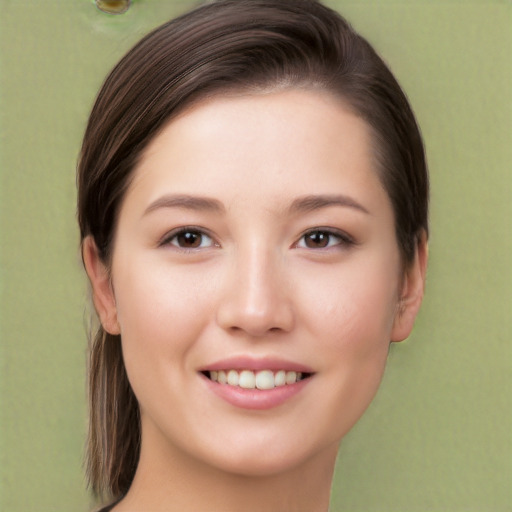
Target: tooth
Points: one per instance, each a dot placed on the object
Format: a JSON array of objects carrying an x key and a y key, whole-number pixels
[
  {"x": 265, "y": 380},
  {"x": 291, "y": 377},
  {"x": 280, "y": 378},
  {"x": 247, "y": 380},
  {"x": 233, "y": 378}
]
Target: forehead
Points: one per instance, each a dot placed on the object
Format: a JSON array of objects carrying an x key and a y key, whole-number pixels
[{"x": 261, "y": 146}]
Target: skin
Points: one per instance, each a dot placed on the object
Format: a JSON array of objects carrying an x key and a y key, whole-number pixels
[{"x": 261, "y": 282}]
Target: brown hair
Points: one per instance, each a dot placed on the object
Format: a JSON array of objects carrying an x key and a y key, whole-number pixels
[{"x": 241, "y": 45}]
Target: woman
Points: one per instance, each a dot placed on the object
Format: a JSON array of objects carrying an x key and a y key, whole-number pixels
[{"x": 253, "y": 204}]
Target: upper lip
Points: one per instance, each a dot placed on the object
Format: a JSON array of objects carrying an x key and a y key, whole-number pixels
[{"x": 256, "y": 364}]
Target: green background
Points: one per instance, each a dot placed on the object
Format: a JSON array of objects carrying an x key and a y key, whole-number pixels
[{"x": 438, "y": 436}]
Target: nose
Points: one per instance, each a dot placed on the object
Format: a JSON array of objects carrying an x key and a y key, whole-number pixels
[{"x": 256, "y": 297}]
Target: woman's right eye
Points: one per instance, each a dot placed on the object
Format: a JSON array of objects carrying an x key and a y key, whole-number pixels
[{"x": 189, "y": 239}]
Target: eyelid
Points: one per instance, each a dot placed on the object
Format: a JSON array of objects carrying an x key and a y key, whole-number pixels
[
  {"x": 170, "y": 235},
  {"x": 345, "y": 240}
]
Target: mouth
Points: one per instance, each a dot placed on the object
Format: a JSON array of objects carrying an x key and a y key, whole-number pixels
[
  {"x": 262, "y": 379},
  {"x": 256, "y": 383}
]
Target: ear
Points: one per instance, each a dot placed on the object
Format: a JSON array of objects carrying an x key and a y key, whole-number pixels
[
  {"x": 102, "y": 292},
  {"x": 412, "y": 292}
]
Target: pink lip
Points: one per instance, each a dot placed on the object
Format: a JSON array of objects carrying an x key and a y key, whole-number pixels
[
  {"x": 255, "y": 399},
  {"x": 256, "y": 364}
]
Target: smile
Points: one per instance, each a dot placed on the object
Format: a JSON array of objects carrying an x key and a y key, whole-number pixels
[
  {"x": 263, "y": 379},
  {"x": 256, "y": 383}
]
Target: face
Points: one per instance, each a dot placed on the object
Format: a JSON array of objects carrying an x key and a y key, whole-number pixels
[{"x": 255, "y": 245}]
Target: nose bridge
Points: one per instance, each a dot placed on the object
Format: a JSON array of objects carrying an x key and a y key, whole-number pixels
[{"x": 256, "y": 299}]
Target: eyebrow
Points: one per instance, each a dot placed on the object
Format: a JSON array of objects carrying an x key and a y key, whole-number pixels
[
  {"x": 207, "y": 204},
  {"x": 186, "y": 202},
  {"x": 316, "y": 202}
]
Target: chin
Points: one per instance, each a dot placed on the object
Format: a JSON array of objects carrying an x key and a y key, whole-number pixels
[{"x": 270, "y": 458}]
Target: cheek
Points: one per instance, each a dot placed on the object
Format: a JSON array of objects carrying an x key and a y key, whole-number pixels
[
  {"x": 356, "y": 335},
  {"x": 351, "y": 322},
  {"x": 161, "y": 312},
  {"x": 352, "y": 308}
]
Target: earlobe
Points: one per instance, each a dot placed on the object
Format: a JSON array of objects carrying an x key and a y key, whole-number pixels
[
  {"x": 412, "y": 292},
  {"x": 102, "y": 292}
]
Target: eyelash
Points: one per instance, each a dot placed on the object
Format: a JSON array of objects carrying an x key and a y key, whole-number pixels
[
  {"x": 184, "y": 231},
  {"x": 342, "y": 238}
]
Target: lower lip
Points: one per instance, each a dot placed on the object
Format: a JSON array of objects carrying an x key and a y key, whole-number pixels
[{"x": 256, "y": 399}]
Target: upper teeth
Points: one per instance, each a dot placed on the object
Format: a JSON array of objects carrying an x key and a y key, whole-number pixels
[{"x": 264, "y": 379}]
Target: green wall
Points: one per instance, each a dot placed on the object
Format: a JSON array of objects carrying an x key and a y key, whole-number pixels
[{"x": 438, "y": 436}]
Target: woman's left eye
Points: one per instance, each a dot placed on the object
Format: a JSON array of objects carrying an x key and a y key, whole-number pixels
[
  {"x": 189, "y": 239},
  {"x": 323, "y": 239}
]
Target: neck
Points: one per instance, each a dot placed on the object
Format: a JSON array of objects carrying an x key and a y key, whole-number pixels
[{"x": 170, "y": 480}]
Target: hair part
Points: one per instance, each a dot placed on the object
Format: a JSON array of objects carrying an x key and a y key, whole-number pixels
[{"x": 222, "y": 47}]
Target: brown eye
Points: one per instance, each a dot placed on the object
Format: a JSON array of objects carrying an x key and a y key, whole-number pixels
[
  {"x": 324, "y": 239},
  {"x": 190, "y": 239},
  {"x": 317, "y": 239}
]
